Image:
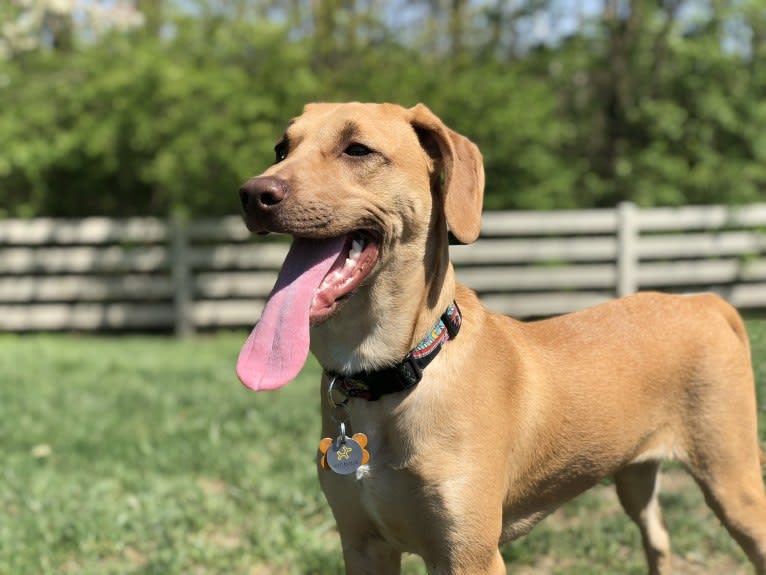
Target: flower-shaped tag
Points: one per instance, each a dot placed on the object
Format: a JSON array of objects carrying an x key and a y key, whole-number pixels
[{"x": 344, "y": 455}]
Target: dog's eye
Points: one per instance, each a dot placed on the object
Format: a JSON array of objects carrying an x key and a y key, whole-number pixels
[
  {"x": 281, "y": 151},
  {"x": 357, "y": 150}
]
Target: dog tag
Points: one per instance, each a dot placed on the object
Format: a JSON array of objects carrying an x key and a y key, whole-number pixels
[{"x": 344, "y": 455}]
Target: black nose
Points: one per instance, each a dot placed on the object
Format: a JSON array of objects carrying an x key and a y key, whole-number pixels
[{"x": 262, "y": 194}]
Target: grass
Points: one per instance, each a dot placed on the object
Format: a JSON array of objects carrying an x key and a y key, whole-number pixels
[{"x": 144, "y": 455}]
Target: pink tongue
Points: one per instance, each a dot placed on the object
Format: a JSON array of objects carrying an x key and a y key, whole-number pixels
[{"x": 279, "y": 344}]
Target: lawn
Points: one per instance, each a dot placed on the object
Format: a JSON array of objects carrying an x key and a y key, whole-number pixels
[{"x": 145, "y": 455}]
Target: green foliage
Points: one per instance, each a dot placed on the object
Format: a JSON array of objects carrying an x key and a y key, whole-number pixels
[
  {"x": 138, "y": 125},
  {"x": 660, "y": 104}
]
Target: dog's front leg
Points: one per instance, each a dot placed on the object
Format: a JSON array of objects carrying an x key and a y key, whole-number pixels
[
  {"x": 491, "y": 565},
  {"x": 369, "y": 556},
  {"x": 365, "y": 551}
]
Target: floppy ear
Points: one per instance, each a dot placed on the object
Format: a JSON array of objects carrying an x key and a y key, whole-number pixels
[{"x": 463, "y": 172}]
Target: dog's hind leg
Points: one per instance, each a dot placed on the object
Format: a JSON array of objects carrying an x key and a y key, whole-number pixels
[
  {"x": 738, "y": 499},
  {"x": 723, "y": 455},
  {"x": 637, "y": 488}
]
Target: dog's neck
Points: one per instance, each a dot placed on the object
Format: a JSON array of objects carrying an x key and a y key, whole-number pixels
[{"x": 385, "y": 320}]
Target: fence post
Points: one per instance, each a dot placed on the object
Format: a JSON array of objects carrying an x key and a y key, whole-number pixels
[
  {"x": 627, "y": 249},
  {"x": 182, "y": 281}
]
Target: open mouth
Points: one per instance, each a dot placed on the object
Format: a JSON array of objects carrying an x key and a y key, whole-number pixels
[
  {"x": 354, "y": 263},
  {"x": 317, "y": 277}
]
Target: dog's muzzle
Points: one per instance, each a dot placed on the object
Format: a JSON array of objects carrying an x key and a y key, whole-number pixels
[{"x": 260, "y": 197}]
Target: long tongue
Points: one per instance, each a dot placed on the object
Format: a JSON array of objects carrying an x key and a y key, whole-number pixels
[{"x": 279, "y": 344}]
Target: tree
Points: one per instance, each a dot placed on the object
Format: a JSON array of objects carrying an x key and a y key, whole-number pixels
[{"x": 151, "y": 107}]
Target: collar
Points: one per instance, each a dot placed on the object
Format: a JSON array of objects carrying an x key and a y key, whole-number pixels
[{"x": 372, "y": 385}]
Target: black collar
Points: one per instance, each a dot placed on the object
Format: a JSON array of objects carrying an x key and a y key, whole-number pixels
[{"x": 371, "y": 385}]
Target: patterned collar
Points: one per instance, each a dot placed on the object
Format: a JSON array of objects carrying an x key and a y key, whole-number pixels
[{"x": 372, "y": 385}]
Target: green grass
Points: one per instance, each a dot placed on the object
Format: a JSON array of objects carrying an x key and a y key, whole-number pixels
[{"x": 145, "y": 455}]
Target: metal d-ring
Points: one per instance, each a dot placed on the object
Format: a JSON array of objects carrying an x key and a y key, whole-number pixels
[
  {"x": 339, "y": 413},
  {"x": 330, "y": 397}
]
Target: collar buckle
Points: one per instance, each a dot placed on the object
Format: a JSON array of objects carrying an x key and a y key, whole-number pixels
[{"x": 410, "y": 373}]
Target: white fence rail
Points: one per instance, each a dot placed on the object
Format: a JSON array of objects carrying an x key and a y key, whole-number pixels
[{"x": 149, "y": 274}]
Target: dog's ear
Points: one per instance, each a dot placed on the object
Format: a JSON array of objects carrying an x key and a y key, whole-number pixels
[{"x": 463, "y": 171}]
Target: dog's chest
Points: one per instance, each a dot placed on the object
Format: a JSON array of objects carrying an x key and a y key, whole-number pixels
[
  {"x": 397, "y": 500},
  {"x": 388, "y": 492}
]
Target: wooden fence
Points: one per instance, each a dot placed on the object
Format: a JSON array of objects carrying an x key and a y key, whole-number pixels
[{"x": 149, "y": 274}]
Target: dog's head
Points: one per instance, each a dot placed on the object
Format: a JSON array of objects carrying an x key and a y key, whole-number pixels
[{"x": 367, "y": 191}]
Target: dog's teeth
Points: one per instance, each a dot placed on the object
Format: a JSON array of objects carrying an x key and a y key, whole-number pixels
[
  {"x": 349, "y": 263},
  {"x": 356, "y": 247}
]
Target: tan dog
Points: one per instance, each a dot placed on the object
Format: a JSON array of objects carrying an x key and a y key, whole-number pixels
[{"x": 510, "y": 419}]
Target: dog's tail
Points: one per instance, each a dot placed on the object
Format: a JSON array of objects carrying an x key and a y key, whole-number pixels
[
  {"x": 735, "y": 322},
  {"x": 738, "y": 326}
]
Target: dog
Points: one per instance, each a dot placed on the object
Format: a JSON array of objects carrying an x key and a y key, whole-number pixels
[{"x": 451, "y": 429}]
